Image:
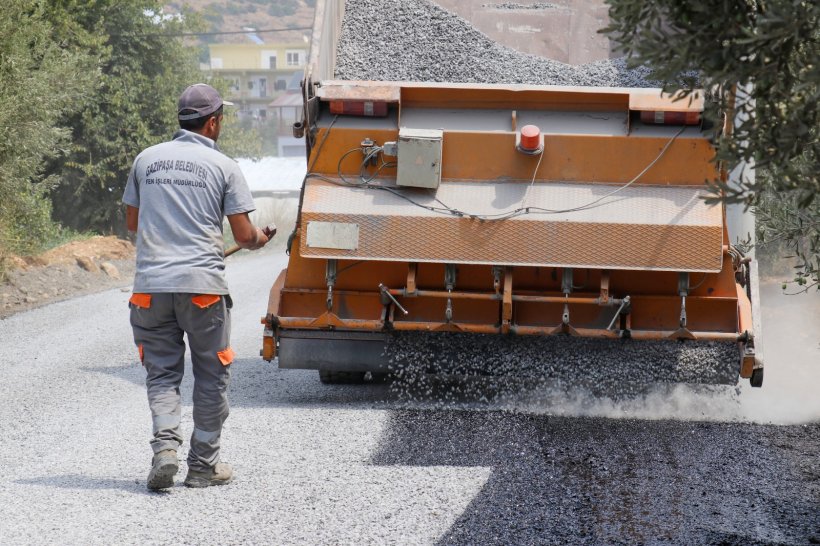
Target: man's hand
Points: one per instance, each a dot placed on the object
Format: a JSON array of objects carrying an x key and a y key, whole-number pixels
[
  {"x": 264, "y": 236},
  {"x": 261, "y": 240},
  {"x": 246, "y": 234}
]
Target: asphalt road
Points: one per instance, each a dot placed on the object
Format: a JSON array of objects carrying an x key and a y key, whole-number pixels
[{"x": 378, "y": 464}]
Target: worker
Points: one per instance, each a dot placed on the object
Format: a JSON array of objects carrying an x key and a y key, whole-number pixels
[{"x": 177, "y": 195}]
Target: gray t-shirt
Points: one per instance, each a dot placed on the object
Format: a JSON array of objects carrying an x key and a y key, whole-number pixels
[{"x": 183, "y": 189}]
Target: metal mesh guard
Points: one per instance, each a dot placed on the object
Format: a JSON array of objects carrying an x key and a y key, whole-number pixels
[{"x": 639, "y": 228}]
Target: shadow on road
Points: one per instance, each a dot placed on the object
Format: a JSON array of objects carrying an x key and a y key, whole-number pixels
[
  {"x": 256, "y": 383},
  {"x": 559, "y": 480},
  {"x": 78, "y": 481}
]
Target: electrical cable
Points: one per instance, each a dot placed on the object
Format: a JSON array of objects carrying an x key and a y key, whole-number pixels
[
  {"x": 302, "y": 189},
  {"x": 345, "y": 268},
  {"x": 339, "y": 166},
  {"x": 363, "y": 167},
  {"x": 640, "y": 174},
  {"x": 383, "y": 188},
  {"x": 366, "y": 183},
  {"x": 532, "y": 182},
  {"x": 322, "y": 143},
  {"x": 692, "y": 288},
  {"x": 592, "y": 204}
]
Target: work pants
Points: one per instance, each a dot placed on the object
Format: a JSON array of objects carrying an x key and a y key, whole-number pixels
[{"x": 159, "y": 321}]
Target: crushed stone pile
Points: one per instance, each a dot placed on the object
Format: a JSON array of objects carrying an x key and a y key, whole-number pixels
[{"x": 417, "y": 40}]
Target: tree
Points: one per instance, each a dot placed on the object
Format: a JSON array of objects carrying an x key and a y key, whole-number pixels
[
  {"x": 764, "y": 56},
  {"x": 143, "y": 69},
  {"x": 144, "y": 66},
  {"x": 86, "y": 85},
  {"x": 41, "y": 83}
]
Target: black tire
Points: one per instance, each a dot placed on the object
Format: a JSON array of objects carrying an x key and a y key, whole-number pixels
[
  {"x": 379, "y": 377},
  {"x": 333, "y": 377},
  {"x": 757, "y": 378}
]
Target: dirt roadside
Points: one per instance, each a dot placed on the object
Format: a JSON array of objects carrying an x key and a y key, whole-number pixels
[{"x": 74, "y": 269}]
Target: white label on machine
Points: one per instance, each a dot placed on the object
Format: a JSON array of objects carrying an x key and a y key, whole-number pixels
[{"x": 338, "y": 235}]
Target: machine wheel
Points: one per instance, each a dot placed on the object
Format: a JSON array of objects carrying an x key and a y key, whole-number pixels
[
  {"x": 379, "y": 377},
  {"x": 757, "y": 377},
  {"x": 333, "y": 377}
]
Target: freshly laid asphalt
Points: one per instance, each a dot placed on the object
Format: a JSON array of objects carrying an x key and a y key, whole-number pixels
[{"x": 380, "y": 464}]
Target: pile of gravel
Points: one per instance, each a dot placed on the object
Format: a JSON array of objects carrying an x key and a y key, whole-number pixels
[
  {"x": 604, "y": 367},
  {"x": 417, "y": 40}
]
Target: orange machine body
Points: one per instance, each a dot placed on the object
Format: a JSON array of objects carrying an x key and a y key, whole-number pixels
[{"x": 602, "y": 231}]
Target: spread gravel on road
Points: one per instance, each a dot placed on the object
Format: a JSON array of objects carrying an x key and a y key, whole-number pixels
[
  {"x": 605, "y": 367},
  {"x": 361, "y": 464}
]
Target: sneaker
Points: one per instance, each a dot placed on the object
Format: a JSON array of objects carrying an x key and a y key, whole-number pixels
[
  {"x": 221, "y": 474},
  {"x": 164, "y": 467}
]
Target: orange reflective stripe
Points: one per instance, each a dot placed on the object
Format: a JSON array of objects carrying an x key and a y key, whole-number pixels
[
  {"x": 226, "y": 356},
  {"x": 141, "y": 300},
  {"x": 142, "y": 352},
  {"x": 204, "y": 301}
]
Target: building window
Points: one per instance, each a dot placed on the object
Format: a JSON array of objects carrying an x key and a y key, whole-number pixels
[
  {"x": 294, "y": 57},
  {"x": 272, "y": 62}
]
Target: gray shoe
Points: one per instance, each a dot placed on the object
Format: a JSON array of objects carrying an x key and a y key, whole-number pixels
[
  {"x": 221, "y": 474},
  {"x": 164, "y": 467}
]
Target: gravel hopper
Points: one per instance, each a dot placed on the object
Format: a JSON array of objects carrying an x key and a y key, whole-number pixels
[{"x": 479, "y": 228}]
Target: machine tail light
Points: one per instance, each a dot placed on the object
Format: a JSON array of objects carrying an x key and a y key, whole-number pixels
[
  {"x": 671, "y": 118},
  {"x": 376, "y": 109}
]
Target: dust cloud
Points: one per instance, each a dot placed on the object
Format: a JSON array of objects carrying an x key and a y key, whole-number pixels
[
  {"x": 788, "y": 396},
  {"x": 791, "y": 345},
  {"x": 791, "y": 336}
]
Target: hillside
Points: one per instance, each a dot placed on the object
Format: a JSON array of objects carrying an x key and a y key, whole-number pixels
[{"x": 238, "y": 15}]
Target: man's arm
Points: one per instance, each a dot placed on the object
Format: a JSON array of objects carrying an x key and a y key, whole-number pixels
[
  {"x": 132, "y": 218},
  {"x": 245, "y": 233}
]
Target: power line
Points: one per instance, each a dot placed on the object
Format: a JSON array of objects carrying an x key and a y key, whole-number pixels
[{"x": 176, "y": 34}]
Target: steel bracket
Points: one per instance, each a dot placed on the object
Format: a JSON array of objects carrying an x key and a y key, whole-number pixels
[
  {"x": 565, "y": 327},
  {"x": 450, "y": 274},
  {"x": 497, "y": 271},
  {"x": 566, "y": 280},
  {"x": 330, "y": 278},
  {"x": 412, "y": 270},
  {"x": 450, "y": 283},
  {"x": 387, "y": 298},
  {"x": 603, "y": 299},
  {"x": 507, "y": 301},
  {"x": 622, "y": 312}
]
